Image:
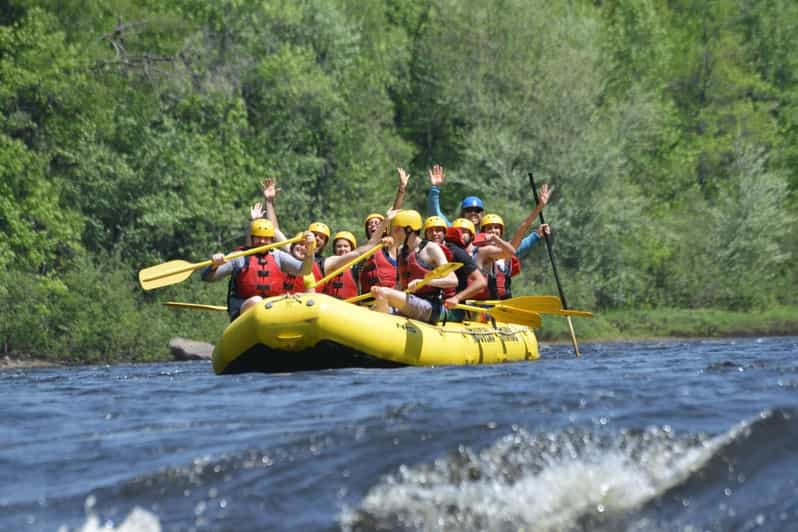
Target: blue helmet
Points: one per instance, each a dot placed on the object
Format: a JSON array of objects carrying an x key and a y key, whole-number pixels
[{"x": 472, "y": 201}]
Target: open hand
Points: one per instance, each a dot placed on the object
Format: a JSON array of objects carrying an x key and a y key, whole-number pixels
[
  {"x": 256, "y": 211},
  {"x": 436, "y": 175},
  {"x": 404, "y": 177},
  {"x": 270, "y": 189},
  {"x": 543, "y": 196}
]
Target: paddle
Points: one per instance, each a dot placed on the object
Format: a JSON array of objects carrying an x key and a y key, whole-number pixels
[
  {"x": 554, "y": 267},
  {"x": 441, "y": 271},
  {"x": 533, "y": 303},
  {"x": 540, "y": 304},
  {"x": 177, "y": 271},
  {"x": 349, "y": 264},
  {"x": 507, "y": 314},
  {"x": 196, "y": 306}
]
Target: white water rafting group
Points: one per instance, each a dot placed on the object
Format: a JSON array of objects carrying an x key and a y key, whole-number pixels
[{"x": 421, "y": 292}]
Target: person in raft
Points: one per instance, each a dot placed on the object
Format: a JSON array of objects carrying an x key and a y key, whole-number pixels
[
  {"x": 496, "y": 259},
  {"x": 454, "y": 241},
  {"x": 344, "y": 285},
  {"x": 416, "y": 259},
  {"x": 471, "y": 208},
  {"x": 254, "y": 277},
  {"x": 295, "y": 283}
]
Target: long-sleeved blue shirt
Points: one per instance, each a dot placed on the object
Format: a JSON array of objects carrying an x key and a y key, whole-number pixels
[{"x": 434, "y": 204}]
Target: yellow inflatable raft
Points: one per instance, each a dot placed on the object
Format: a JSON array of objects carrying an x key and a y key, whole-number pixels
[{"x": 315, "y": 331}]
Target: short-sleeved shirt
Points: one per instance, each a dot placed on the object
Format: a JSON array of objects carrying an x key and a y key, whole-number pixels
[
  {"x": 469, "y": 265},
  {"x": 285, "y": 261}
]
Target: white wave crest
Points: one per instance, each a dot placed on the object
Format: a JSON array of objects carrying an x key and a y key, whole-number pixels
[
  {"x": 557, "y": 481},
  {"x": 138, "y": 520}
]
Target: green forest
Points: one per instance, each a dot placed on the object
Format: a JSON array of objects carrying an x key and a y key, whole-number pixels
[{"x": 134, "y": 132}]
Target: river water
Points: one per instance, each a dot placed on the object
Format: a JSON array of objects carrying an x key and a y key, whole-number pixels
[{"x": 662, "y": 435}]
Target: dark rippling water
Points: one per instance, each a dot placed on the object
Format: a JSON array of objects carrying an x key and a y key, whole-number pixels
[{"x": 672, "y": 435}]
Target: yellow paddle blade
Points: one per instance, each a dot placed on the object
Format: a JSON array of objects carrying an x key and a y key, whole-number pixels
[
  {"x": 579, "y": 313},
  {"x": 507, "y": 314},
  {"x": 511, "y": 315},
  {"x": 542, "y": 304},
  {"x": 441, "y": 271},
  {"x": 558, "y": 312},
  {"x": 197, "y": 306},
  {"x": 172, "y": 272}
]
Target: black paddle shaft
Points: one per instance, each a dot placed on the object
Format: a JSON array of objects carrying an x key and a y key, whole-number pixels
[{"x": 548, "y": 244}]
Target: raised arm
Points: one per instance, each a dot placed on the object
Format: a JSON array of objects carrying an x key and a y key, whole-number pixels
[
  {"x": 531, "y": 240},
  {"x": 543, "y": 199},
  {"x": 436, "y": 178},
  {"x": 404, "y": 177},
  {"x": 269, "y": 188}
]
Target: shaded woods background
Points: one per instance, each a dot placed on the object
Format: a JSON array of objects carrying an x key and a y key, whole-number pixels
[{"x": 137, "y": 132}]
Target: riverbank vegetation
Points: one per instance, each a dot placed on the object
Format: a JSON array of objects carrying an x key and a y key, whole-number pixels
[{"x": 136, "y": 132}]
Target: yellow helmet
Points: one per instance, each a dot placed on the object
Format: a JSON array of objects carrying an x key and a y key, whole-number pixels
[
  {"x": 318, "y": 227},
  {"x": 492, "y": 219},
  {"x": 261, "y": 227},
  {"x": 462, "y": 223},
  {"x": 411, "y": 219},
  {"x": 346, "y": 235},
  {"x": 434, "y": 221},
  {"x": 374, "y": 215}
]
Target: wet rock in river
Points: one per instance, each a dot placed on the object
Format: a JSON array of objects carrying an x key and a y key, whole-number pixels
[{"x": 185, "y": 349}]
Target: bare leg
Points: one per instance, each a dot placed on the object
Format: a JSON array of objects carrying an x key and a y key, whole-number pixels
[{"x": 384, "y": 298}]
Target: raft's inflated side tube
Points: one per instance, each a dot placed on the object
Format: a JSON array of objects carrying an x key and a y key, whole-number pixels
[{"x": 315, "y": 331}]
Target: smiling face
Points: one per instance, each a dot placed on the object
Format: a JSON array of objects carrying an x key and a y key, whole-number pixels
[
  {"x": 342, "y": 246},
  {"x": 371, "y": 225},
  {"x": 299, "y": 251},
  {"x": 474, "y": 214},
  {"x": 492, "y": 229},
  {"x": 435, "y": 234}
]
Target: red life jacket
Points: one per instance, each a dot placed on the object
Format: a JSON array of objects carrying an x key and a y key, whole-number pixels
[
  {"x": 499, "y": 280},
  {"x": 318, "y": 271},
  {"x": 411, "y": 268},
  {"x": 449, "y": 292},
  {"x": 379, "y": 270},
  {"x": 293, "y": 284},
  {"x": 261, "y": 276},
  {"x": 342, "y": 286}
]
